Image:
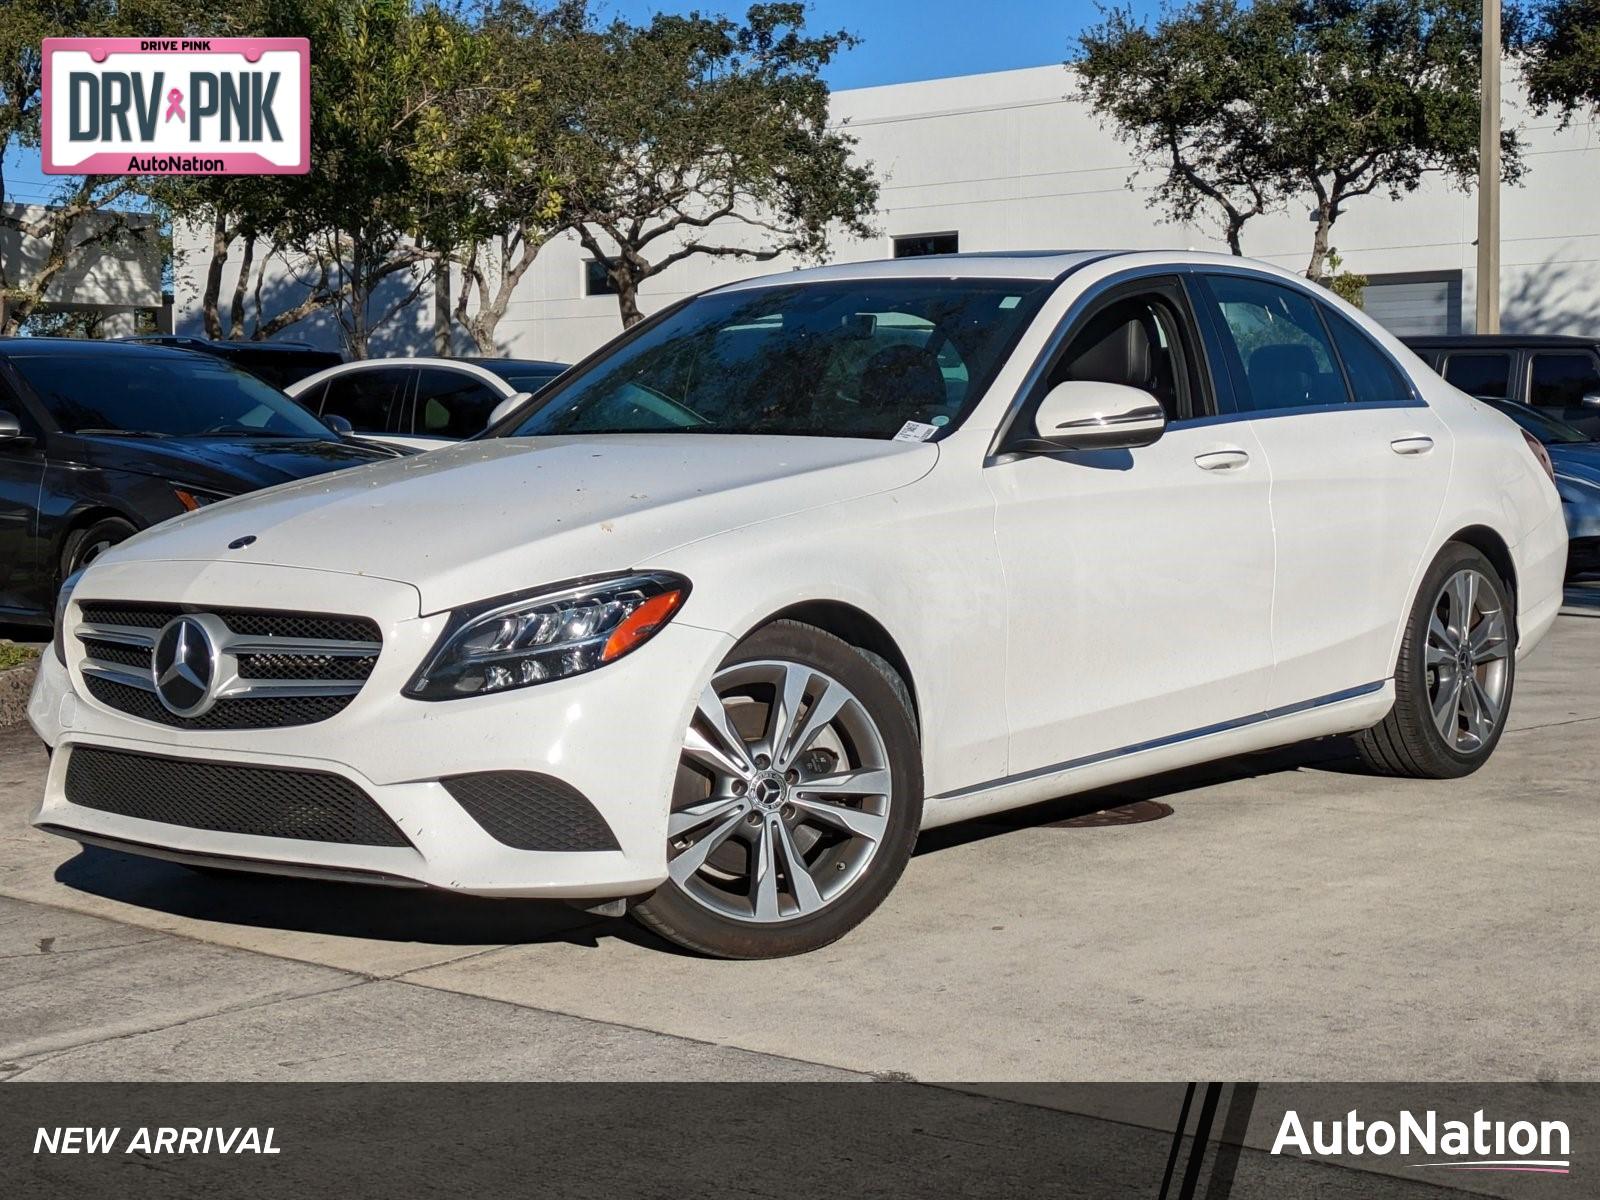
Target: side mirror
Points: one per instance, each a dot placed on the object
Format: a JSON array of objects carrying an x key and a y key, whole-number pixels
[
  {"x": 1081, "y": 415},
  {"x": 340, "y": 425},
  {"x": 1592, "y": 400},
  {"x": 11, "y": 430},
  {"x": 506, "y": 407}
]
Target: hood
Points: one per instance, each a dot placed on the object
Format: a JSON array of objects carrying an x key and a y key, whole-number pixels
[
  {"x": 1577, "y": 461},
  {"x": 228, "y": 464},
  {"x": 484, "y": 518}
]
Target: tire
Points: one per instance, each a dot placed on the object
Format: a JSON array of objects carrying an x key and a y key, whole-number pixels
[
  {"x": 85, "y": 545},
  {"x": 742, "y": 815},
  {"x": 1412, "y": 740}
]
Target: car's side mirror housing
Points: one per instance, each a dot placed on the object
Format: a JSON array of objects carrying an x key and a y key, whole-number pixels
[
  {"x": 340, "y": 425},
  {"x": 506, "y": 407},
  {"x": 11, "y": 433},
  {"x": 1082, "y": 415}
]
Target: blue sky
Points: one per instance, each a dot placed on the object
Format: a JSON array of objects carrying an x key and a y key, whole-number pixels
[{"x": 901, "y": 40}]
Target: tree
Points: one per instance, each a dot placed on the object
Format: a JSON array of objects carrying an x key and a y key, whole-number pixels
[
  {"x": 701, "y": 136},
  {"x": 84, "y": 215},
  {"x": 1241, "y": 108},
  {"x": 1560, "y": 51}
]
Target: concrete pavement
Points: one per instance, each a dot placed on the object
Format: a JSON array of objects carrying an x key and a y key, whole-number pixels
[{"x": 1291, "y": 919}]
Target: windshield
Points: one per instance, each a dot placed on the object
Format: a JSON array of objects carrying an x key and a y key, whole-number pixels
[
  {"x": 1548, "y": 429},
  {"x": 169, "y": 394},
  {"x": 841, "y": 359}
]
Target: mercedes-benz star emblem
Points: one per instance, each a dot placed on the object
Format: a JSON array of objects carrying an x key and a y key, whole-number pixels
[{"x": 185, "y": 667}]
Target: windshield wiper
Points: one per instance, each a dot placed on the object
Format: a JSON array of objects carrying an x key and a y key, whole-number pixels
[
  {"x": 128, "y": 433},
  {"x": 242, "y": 431}
]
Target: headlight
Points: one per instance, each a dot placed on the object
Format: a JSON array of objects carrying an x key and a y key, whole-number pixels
[
  {"x": 534, "y": 637},
  {"x": 193, "y": 498},
  {"x": 59, "y": 639}
]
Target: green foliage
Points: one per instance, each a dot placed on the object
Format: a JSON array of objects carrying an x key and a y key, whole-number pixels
[
  {"x": 1560, "y": 53},
  {"x": 1346, "y": 285},
  {"x": 13, "y": 655},
  {"x": 1243, "y": 108},
  {"x": 698, "y": 135}
]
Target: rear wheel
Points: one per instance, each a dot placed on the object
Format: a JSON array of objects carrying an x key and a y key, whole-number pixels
[
  {"x": 1454, "y": 677},
  {"x": 797, "y": 801}
]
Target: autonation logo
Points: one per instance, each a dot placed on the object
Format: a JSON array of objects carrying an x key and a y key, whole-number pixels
[{"x": 1475, "y": 1145}]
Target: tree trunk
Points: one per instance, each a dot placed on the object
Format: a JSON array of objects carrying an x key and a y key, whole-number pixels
[
  {"x": 1319, "y": 241},
  {"x": 441, "y": 306},
  {"x": 212, "y": 295},
  {"x": 628, "y": 300},
  {"x": 236, "y": 310}
]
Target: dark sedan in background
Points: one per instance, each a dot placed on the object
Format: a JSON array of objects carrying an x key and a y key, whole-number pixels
[
  {"x": 277, "y": 363},
  {"x": 101, "y": 439}
]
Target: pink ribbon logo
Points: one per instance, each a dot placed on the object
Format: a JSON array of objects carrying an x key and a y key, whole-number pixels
[{"x": 175, "y": 105}]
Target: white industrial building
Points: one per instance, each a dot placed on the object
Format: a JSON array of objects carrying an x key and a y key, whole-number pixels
[{"x": 1010, "y": 160}]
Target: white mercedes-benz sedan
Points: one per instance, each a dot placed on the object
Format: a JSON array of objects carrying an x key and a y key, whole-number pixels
[{"x": 803, "y": 565}]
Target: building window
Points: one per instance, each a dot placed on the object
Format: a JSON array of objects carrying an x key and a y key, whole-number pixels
[
  {"x": 915, "y": 245},
  {"x": 595, "y": 280}
]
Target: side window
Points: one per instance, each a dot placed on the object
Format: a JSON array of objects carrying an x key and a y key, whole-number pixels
[
  {"x": 370, "y": 400},
  {"x": 1563, "y": 380},
  {"x": 1373, "y": 378},
  {"x": 1141, "y": 342},
  {"x": 1282, "y": 356},
  {"x": 1486, "y": 376},
  {"x": 452, "y": 404}
]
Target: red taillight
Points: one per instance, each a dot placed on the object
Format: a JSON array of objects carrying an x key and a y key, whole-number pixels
[{"x": 1541, "y": 454}]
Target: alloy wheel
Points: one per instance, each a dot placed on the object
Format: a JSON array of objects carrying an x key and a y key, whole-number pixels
[
  {"x": 783, "y": 793},
  {"x": 1468, "y": 649}
]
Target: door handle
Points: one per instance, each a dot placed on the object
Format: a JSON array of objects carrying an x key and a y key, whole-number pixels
[
  {"x": 1411, "y": 445},
  {"x": 1222, "y": 460}
]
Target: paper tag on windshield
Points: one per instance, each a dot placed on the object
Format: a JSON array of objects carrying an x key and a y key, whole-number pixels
[{"x": 915, "y": 431}]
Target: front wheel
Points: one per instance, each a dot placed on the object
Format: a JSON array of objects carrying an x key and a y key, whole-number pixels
[
  {"x": 1454, "y": 676},
  {"x": 797, "y": 800}
]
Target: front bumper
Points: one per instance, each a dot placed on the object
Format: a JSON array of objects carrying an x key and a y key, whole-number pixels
[{"x": 613, "y": 735}]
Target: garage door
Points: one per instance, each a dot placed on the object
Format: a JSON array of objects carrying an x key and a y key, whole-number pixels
[{"x": 1412, "y": 306}]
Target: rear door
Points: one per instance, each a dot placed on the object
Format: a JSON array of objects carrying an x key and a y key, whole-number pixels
[
  {"x": 373, "y": 399},
  {"x": 1566, "y": 384},
  {"x": 451, "y": 404},
  {"x": 1359, "y": 469}
]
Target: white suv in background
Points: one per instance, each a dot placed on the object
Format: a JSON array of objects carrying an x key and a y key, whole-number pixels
[
  {"x": 803, "y": 565},
  {"x": 422, "y": 403}
]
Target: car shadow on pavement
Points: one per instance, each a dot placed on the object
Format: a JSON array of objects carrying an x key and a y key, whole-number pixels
[
  {"x": 337, "y": 909},
  {"x": 1324, "y": 754}
]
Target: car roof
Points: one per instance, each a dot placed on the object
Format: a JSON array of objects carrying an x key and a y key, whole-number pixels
[
  {"x": 488, "y": 363},
  {"x": 182, "y": 342},
  {"x": 1498, "y": 341},
  {"x": 1019, "y": 264},
  {"x": 35, "y": 347}
]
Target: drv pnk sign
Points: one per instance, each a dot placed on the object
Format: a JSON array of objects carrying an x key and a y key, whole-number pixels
[{"x": 177, "y": 106}]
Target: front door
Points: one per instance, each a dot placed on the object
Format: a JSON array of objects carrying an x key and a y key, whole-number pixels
[{"x": 1139, "y": 581}]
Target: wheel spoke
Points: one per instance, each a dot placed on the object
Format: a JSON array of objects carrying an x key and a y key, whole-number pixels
[
  {"x": 1484, "y": 708},
  {"x": 1488, "y": 640},
  {"x": 1471, "y": 713},
  {"x": 803, "y": 887},
  {"x": 868, "y": 781},
  {"x": 823, "y": 709},
  {"x": 728, "y": 754},
  {"x": 869, "y": 825},
  {"x": 1446, "y": 699},
  {"x": 764, "y": 874},
  {"x": 691, "y": 860},
  {"x": 683, "y": 820},
  {"x": 1440, "y": 646},
  {"x": 787, "y": 697}
]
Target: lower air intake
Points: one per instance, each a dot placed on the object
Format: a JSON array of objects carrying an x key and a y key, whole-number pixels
[{"x": 527, "y": 811}]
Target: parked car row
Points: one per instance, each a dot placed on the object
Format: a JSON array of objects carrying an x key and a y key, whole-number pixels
[
  {"x": 792, "y": 570},
  {"x": 1550, "y": 386}
]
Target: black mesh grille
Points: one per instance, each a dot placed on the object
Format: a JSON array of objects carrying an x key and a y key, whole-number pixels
[
  {"x": 248, "y": 621},
  {"x": 112, "y": 652},
  {"x": 228, "y": 797},
  {"x": 303, "y": 666},
  {"x": 531, "y": 812},
  {"x": 245, "y": 712}
]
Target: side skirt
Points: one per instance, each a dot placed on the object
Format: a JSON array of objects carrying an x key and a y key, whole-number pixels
[{"x": 1341, "y": 712}]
